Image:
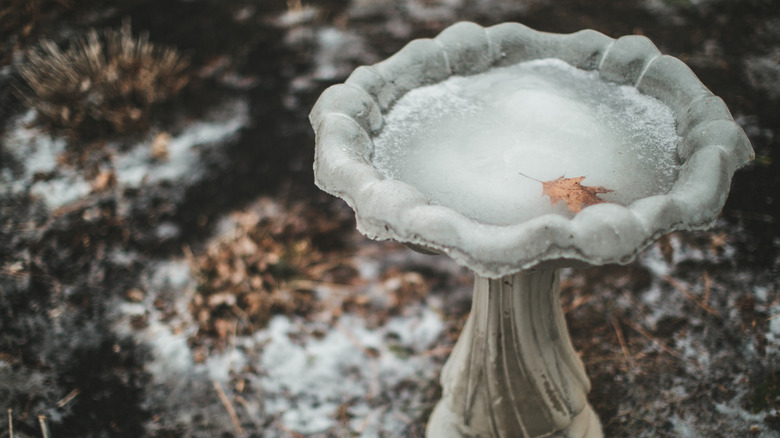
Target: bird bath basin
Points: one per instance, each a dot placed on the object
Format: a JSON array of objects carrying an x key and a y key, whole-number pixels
[{"x": 450, "y": 145}]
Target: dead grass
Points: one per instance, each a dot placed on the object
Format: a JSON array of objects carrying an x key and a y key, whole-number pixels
[
  {"x": 101, "y": 83},
  {"x": 272, "y": 264},
  {"x": 269, "y": 265}
]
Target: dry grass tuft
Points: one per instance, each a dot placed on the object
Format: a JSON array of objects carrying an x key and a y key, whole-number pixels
[{"x": 101, "y": 82}]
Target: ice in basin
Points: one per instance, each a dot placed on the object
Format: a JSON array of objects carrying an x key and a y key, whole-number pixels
[{"x": 481, "y": 144}]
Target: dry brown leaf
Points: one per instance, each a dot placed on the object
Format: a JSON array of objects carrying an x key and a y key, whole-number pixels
[
  {"x": 573, "y": 193},
  {"x": 104, "y": 180},
  {"x": 160, "y": 146}
]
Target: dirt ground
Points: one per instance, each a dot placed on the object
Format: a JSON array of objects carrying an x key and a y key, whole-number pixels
[{"x": 169, "y": 269}]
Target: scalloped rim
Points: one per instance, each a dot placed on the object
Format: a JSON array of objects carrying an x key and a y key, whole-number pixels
[{"x": 347, "y": 115}]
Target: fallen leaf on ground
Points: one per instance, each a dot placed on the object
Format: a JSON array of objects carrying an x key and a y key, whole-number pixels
[{"x": 573, "y": 193}]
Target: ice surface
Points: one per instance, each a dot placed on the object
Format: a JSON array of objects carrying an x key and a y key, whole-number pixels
[{"x": 465, "y": 142}]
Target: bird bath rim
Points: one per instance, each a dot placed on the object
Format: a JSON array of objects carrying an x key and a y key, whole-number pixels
[{"x": 348, "y": 115}]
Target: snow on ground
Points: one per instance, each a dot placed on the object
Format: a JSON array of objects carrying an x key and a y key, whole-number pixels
[
  {"x": 718, "y": 308},
  {"x": 311, "y": 376},
  {"x": 139, "y": 166},
  {"x": 306, "y": 381},
  {"x": 39, "y": 156}
]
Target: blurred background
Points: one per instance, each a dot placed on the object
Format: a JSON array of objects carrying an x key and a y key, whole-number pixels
[{"x": 169, "y": 269}]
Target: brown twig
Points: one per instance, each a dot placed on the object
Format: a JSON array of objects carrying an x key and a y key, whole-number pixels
[
  {"x": 229, "y": 407},
  {"x": 242, "y": 401},
  {"x": 576, "y": 303},
  {"x": 440, "y": 351},
  {"x": 355, "y": 341},
  {"x": 655, "y": 341},
  {"x": 701, "y": 302},
  {"x": 367, "y": 419},
  {"x": 374, "y": 386},
  {"x": 530, "y": 177},
  {"x": 707, "y": 287},
  {"x": 10, "y": 423},
  {"x": 622, "y": 342},
  {"x": 44, "y": 426},
  {"x": 65, "y": 400},
  {"x": 291, "y": 432}
]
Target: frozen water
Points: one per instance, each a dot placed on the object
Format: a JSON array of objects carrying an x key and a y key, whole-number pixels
[{"x": 465, "y": 141}]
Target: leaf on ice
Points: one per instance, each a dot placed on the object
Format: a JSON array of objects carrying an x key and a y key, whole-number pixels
[{"x": 573, "y": 193}]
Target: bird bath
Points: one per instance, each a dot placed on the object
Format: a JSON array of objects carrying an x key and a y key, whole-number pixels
[{"x": 446, "y": 146}]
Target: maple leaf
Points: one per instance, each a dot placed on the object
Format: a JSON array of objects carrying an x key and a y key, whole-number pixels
[
  {"x": 569, "y": 190},
  {"x": 573, "y": 193}
]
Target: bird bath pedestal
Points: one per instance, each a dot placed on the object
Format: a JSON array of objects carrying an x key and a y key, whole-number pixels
[{"x": 445, "y": 147}]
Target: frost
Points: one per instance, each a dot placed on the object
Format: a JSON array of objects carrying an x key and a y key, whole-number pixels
[
  {"x": 683, "y": 428},
  {"x": 320, "y": 375},
  {"x": 739, "y": 415}
]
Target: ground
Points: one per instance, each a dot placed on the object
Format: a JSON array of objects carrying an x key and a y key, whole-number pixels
[{"x": 186, "y": 277}]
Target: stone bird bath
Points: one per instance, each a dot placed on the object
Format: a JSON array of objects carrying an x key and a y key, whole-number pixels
[{"x": 431, "y": 151}]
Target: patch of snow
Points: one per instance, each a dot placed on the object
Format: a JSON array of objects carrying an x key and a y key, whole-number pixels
[
  {"x": 774, "y": 326},
  {"x": 61, "y": 191},
  {"x": 139, "y": 167},
  {"x": 737, "y": 414},
  {"x": 30, "y": 145},
  {"x": 368, "y": 268},
  {"x": 171, "y": 352},
  {"x": 167, "y": 230},
  {"x": 417, "y": 333},
  {"x": 220, "y": 366},
  {"x": 166, "y": 339},
  {"x": 773, "y": 335},
  {"x": 378, "y": 374},
  {"x": 321, "y": 375},
  {"x": 653, "y": 259},
  {"x": 683, "y": 427},
  {"x": 763, "y": 72},
  {"x": 171, "y": 274},
  {"x": 761, "y": 292},
  {"x": 652, "y": 296},
  {"x": 38, "y": 155},
  {"x": 696, "y": 355}
]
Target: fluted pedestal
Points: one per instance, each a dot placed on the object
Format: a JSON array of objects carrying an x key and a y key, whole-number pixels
[{"x": 513, "y": 372}]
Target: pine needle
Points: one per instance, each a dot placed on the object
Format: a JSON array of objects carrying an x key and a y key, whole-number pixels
[
  {"x": 229, "y": 408},
  {"x": 44, "y": 426}
]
